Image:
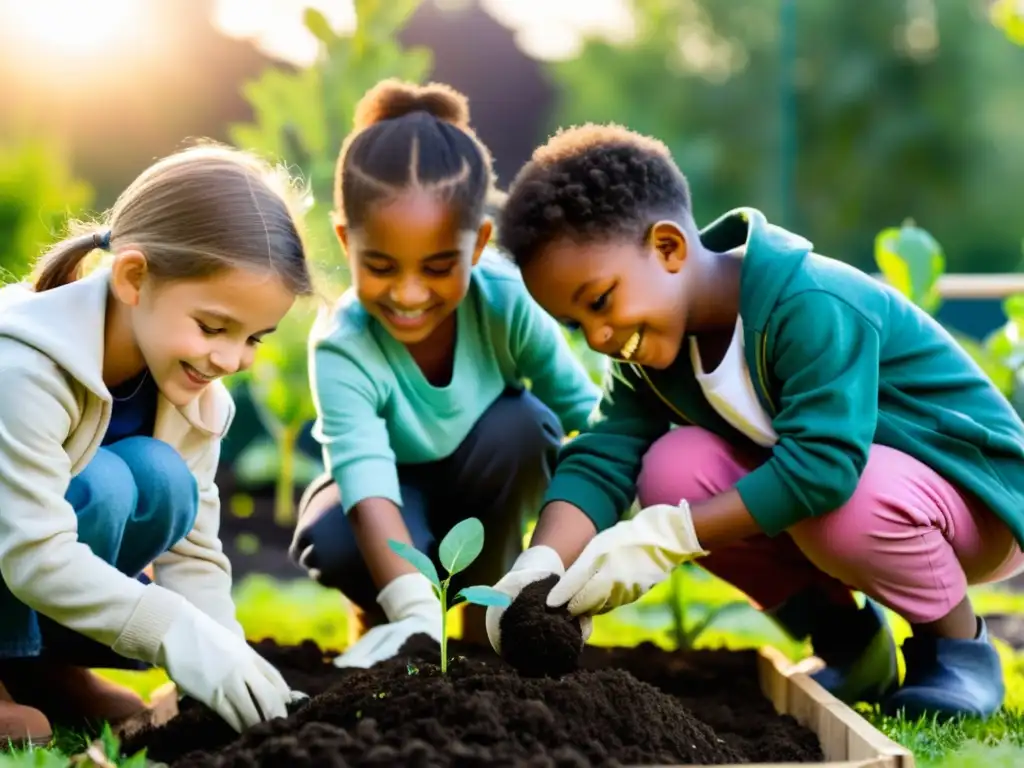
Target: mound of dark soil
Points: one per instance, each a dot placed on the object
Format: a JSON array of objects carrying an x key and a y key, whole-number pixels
[
  {"x": 540, "y": 641},
  {"x": 622, "y": 707}
]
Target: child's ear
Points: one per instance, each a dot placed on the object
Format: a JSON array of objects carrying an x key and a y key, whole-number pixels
[
  {"x": 341, "y": 231},
  {"x": 127, "y": 274},
  {"x": 669, "y": 241},
  {"x": 483, "y": 237}
]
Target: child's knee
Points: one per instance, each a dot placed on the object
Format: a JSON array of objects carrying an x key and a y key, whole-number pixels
[
  {"x": 168, "y": 493},
  {"x": 675, "y": 466},
  {"x": 888, "y": 523},
  {"x": 524, "y": 426},
  {"x": 324, "y": 545},
  {"x": 102, "y": 494}
]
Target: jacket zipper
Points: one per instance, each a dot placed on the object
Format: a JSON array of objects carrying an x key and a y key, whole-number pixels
[
  {"x": 762, "y": 374},
  {"x": 663, "y": 399}
]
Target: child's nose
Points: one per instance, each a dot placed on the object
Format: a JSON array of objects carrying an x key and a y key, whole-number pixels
[
  {"x": 410, "y": 294},
  {"x": 228, "y": 360},
  {"x": 599, "y": 337}
]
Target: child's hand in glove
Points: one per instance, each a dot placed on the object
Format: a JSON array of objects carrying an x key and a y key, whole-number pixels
[
  {"x": 412, "y": 607},
  {"x": 218, "y": 668},
  {"x": 623, "y": 562},
  {"x": 534, "y": 564}
]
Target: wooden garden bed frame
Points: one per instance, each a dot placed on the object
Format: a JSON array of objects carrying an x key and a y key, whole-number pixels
[{"x": 847, "y": 739}]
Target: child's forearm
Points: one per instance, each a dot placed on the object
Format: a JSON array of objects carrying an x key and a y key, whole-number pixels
[
  {"x": 722, "y": 520},
  {"x": 565, "y": 528},
  {"x": 374, "y": 521}
]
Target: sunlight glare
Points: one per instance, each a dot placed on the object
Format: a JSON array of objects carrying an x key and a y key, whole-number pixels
[
  {"x": 276, "y": 26},
  {"x": 546, "y": 29},
  {"x": 555, "y": 30},
  {"x": 69, "y": 26}
]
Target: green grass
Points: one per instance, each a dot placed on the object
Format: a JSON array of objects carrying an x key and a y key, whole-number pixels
[
  {"x": 997, "y": 742},
  {"x": 299, "y": 610}
]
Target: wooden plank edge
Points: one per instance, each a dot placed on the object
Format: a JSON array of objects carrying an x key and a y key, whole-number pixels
[
  {"x": 975, "y": 285},
  {"x": 840, "y": 764},
  {"x": 844, "y": 734},
  {"x": 162, "y": 707}
]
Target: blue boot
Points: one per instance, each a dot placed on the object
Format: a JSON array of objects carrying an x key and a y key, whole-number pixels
[
  {"x": 855, "y": 643},
  {"x": 947, "y": 677}
]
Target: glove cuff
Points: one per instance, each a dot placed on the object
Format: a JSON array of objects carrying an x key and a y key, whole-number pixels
[
  {"x": 669, "y": 526},
  {"x": 539, "y": 558},
  {"x": 408, "y": 595}
]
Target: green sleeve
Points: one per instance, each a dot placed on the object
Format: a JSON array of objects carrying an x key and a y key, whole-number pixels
[
  {"x": 825, "y": 357},
  {"x": 542, "y": 354},
  {"x": 354, "y": 436},
  {"x": 597, "y": 471}
]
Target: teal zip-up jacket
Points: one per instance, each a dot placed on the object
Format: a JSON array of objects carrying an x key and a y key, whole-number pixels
[{"x": 839, "y": 361}]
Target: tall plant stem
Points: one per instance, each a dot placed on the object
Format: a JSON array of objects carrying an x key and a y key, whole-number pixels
[{"x": 444, "y": 627}]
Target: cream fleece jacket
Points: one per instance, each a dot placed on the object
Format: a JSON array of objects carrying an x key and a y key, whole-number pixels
[{"x": 54, "y": 411}]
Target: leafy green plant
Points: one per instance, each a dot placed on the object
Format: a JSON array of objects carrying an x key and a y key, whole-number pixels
[
  {"x": 301, "y": 116},
  {"x": 1008, "y": 15},
  {"x": 279, "y": 384},
  {"x": 459, "y": 548},
  {"x": 38, "y": 192},
  {"x": 912, "y": 262},
  {"x": 691, "y": 618}
]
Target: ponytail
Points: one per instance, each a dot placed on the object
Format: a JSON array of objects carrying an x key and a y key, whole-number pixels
[{"x": 60, "y": 265}]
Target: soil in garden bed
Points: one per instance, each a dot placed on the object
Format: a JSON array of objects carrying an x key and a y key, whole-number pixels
[{"x": 638, "y": 706}]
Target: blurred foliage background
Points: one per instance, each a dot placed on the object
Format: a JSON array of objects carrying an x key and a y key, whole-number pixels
[{"x": 889, "y": 132}]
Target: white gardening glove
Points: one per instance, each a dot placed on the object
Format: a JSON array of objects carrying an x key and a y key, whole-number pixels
[
  {"x": 215, "y": 666},
  {"x": 534, "y": 564},
  {"x": 623, "y": 562},
  {"x": 412, "y": 607}
]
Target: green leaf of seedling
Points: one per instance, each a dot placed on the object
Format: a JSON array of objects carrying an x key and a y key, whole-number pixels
[
  {"x": 318, "y": 25},
  {"x": 485, "y": 596},
  {"x": 462, "y": 545},
  {"x": 138, "y": 760},
  {"x": 419, "y": 560},
  {"x": 111, "y": 744}
]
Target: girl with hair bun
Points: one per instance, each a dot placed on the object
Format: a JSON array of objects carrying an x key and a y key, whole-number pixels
[{"x": 419, "y": 373}]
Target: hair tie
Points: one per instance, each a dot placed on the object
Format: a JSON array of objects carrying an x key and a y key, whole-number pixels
[{"x": 101, "y": 241}]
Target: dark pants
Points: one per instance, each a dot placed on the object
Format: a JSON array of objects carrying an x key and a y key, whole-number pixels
[{"x": 499, "y": 474}]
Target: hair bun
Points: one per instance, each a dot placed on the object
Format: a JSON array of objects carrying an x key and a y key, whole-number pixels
[{"x": 393, "y": 98}]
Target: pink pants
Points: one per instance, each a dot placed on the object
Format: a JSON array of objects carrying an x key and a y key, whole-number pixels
[{"x": 906, "y": 537}]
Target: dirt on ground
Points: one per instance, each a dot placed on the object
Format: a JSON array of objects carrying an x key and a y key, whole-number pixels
[{"x": 601, "y": 707}]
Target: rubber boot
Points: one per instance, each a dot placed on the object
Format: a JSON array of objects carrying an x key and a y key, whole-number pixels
[
  {"x": 21, "y": 726},
  {"x": 949, "y": 677},
  {"x": 855, "y": 643},
  {"x": 69, "y": 695}
]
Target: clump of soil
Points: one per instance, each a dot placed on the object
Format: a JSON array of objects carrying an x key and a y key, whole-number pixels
[
  {"x": 540, "y": 641},
  {"x": 483, "y": 713}
]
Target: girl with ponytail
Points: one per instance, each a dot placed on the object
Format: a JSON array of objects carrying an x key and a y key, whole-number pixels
[
  {"x": 419, "y": 373},
  {"x": 110, "y": 431}
]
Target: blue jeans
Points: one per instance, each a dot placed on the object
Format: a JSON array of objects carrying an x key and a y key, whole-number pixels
[
  {"x": 134, "y": 501},
  {"x": 499, "y": 473}
]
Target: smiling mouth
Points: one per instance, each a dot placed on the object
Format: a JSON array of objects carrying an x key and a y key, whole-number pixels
[
  {"x": 196, "y": 376},
  {"x": 632, "y": 344},
  {"x": 407, "y": 318},
  {"x": 408, "y": 314}
]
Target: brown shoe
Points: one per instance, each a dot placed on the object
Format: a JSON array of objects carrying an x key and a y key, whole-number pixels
[
  {"x": 21, "y": 726},
  {"x": 70, "y": 695}
]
